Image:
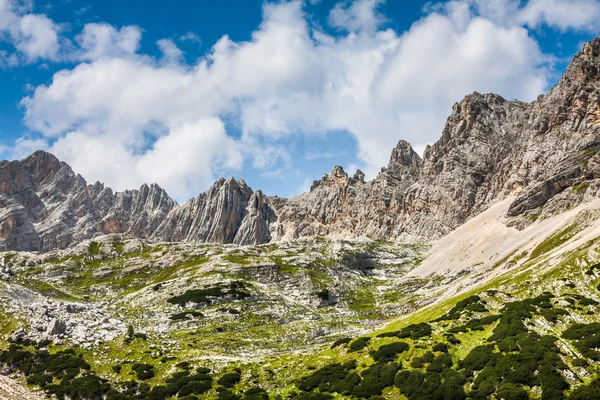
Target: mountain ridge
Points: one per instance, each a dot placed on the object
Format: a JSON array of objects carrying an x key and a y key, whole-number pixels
[{"x": 490, "y": 148}]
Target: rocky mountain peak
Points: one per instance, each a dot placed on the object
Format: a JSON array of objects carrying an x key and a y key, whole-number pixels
[
  {"x": 338, "y": 178},
  {"x": 490, "y": 148}
]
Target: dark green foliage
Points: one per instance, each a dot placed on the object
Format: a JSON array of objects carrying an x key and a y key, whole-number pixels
[
  {"x": 586, "y": 338},
  {"x": 593, "y": 268},
  {"x": 184, "y": 315},
  {"x": 580, "y": 362},
  {"x": 183, "y": 365},
  {"x": 234, "y": 290},
  {"x": 419, "y": 362},
  {"x": 313, "y": 396},
  {"x": 587, "y": 392},
  {"x": 416, "y": 331},
  {"x": 230, "y": 380},
  {"x": 453, "y": 339},
  {"x": 256, "y": 393},
  {"x": 431, "y": 386},
  {"x": 478, "y": 358},
  {"x": 388, "y": 352},
  {"x": 588, "y": 302},
  {"x": 552, "y": 314},
  {"x": 334, "y": 378},
  {"x": 440, "y": 363},
  {"x": 139, "y": 335},
  {"x": 443, "y": 347},
  {"x": 143, "y": 371},
  {"x": 375, "y": 378},
  {"x": 226, "y": 394},
  {"x": 117, "y": 368},
  {"x": 471, "y": 303},
  {"x": 340, "y": 342},
  {"x": 359, "y": 344},
  {"x": 510, "y": 391},
  {"x": 195, "y": 387}
]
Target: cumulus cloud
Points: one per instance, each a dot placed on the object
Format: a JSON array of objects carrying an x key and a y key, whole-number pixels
[
  {"x": 577, "y": 15},
  {"x": 126, "y": 118},
  {"x": 99, "y": 40},
  {"x": 357, "y": 15},
  {"x": 34, "y": 36}
]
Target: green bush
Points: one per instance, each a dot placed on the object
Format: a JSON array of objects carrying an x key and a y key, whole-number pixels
[
  {"x": 333, "y": 378},
  {"x": 143, "y": 371},
  {"x": 416, "y": 331},
  {"x": 375, "y": 378},
  {"x": 230, "y": 380},
  {"x": 256, "y": 393},
  {"x": 340, "y": 342},
  {"x": 359, "y": 344},
  {"x": 388, "y": 352}
]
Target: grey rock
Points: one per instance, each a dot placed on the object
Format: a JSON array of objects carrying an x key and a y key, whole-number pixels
[{"x": 56, "y": 327}]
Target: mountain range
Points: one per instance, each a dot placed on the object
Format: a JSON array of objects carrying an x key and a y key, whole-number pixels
[{"x": 490, "y": 148}]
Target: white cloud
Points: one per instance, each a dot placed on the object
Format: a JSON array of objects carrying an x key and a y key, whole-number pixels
[
  {"x": 160, "y": 122},
  {"x": 126, "y": 118},
  {"x": 577, "y": 15},
  {"x": 357, "y": 15},
  {"x": 34, "y": 36},
  {"x": 99, "y": 40},
  {"x": 190, "y": 37},
  {"x": 37, "y": 37},
  {"x": 171, "y": 53},
  {"x": 581, "y": 15}
]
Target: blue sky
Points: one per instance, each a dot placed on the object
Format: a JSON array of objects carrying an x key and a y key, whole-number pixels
[{"x": 276, "y": 92}]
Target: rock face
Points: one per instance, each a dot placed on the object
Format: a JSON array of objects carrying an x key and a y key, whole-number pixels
[
  {"x": 45, "y": 205},
  {"x": 490, "y": 149},
  {"x": 229, "y": 212},
  {"x": 544, "y": 153}
]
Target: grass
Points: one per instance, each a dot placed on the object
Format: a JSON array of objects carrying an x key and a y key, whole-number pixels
[{"x": 555, "y": 240}]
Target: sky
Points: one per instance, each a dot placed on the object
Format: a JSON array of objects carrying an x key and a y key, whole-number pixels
[{"x": 181, "y": 93}]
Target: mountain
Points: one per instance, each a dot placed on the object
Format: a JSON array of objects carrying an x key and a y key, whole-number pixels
[
  {"x": 470, "y": 273},
  {"x": 490, "y": 149}
]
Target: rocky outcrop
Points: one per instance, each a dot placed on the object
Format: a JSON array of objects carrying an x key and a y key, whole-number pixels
[
  {"x": 229, "y": 212},
  {"x": 45, "y": 205},
  {"x": 490, "y": 149}
]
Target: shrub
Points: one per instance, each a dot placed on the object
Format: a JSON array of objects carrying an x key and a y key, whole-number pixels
[
  {"x": 478, "y": 358},
  {"x": 416, "y": 331},
  {"x": 512, "y": 392},
  {"x": 195, "y": 387},
  {"x": 359, "y": 344},
  {"x": 471, "y": 303},
  {"x": 419, "y": 362},
  {"x": 226, "y": 394},
  {"x": 340, "y": 342},
  {"x": 256, "y": 393},
  {"x": 442, "y": 347},
  {"x": 143, "y": 371},
  {"x": 586, "y": 337},
  {"x": 230, "y": 380},
  {"x": 388, "y": 352},
  {"x": 333, "y": 378},
  {"x": 376, "y": 378},
  {"x": 185, "y": 314}
]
